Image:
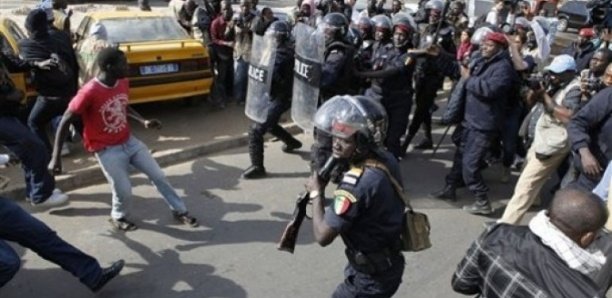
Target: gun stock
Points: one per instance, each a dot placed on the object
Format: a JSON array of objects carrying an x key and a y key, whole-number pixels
[{"x": 289, "y": 237}]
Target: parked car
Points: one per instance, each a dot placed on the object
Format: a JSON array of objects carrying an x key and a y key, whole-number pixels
[
  {"x": 573, "y": 15},
  {"x": 10, "y": 34},
  {"x": 165, "y": 63}
]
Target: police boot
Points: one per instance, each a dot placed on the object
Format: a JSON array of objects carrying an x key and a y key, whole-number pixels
[
  {"x": 426, "y": 143},
  {"x": 482, "y": 206},
  {"x": 447, "y": 193},
  {"x": 290, "y": 143},
  {"x": 256, "y": 170}
]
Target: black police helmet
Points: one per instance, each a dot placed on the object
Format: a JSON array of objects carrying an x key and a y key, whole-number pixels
[
  {"x": 280, "y": 29},
  {"x": 336, "y": 20},
  {"x": 382, "y": 23}
]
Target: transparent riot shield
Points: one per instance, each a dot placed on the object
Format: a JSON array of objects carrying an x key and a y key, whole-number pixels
[
  {"x": 261, "y": 68},
  {"x": 309, "y": 56}
]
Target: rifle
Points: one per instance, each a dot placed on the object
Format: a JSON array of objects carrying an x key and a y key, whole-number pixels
[
  {"x": 289, "y": 237},
  {"x": 410, "y": 59}
]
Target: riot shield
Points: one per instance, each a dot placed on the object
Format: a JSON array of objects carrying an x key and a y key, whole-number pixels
[
  {"x": 261, "y": 68},
  {"x": 309, "y": 56}
]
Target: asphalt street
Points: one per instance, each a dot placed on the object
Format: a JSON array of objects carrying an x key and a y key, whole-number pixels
[{"x": 233, "y": 253}]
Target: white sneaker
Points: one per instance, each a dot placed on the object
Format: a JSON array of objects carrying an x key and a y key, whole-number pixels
[{"x": 57, "y": 198}]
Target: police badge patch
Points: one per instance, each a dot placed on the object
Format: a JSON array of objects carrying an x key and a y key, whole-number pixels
[{"x": 342, "y": 201}]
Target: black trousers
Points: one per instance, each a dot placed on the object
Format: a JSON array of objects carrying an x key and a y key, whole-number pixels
[
  {"x": 469, "y": 159},
  {"x": 425, "y": 95},
  {"x": 258, "y": 130},
  {"x": 357, "y": 284}
]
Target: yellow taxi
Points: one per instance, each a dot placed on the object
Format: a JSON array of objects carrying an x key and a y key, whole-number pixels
[
  {"x": 165, "y": 62},
  {"x": 10, "y": 34}
]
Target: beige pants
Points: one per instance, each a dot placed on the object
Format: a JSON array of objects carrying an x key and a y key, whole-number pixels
[{"x": 529, "y": 184}]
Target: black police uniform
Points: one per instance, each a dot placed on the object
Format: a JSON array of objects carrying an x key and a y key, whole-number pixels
[
  {"x": 282, "y": 83},
  {"x": 368, "y": 213},
  {"x": 363, "y": 62},
  {"x": 336, "y": 78},
  {"x": 428, "y": 80},
  {"x": 394, "y": 91}
]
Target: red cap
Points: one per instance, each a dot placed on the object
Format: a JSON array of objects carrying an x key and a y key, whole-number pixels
[
  {"x": 586, "y": 32},
  {"x": 404, "y": 27},
  {"x": 497, "y": 37}
]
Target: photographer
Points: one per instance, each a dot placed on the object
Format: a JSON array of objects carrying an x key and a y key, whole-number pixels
[
  {"x": 591, "y": 79},
  {"x": 583, "y": 49},
  {"x": 560, "y": 97}
]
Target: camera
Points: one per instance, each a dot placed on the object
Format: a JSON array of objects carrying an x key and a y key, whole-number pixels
[
  {"x": 593, "y": 85},
  {"x": 536, "y": 81}
]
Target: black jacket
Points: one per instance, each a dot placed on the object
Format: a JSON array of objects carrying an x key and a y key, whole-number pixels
[
  {"x": 513, "y": 260},
  {"x": 592, "y": 127},
  {"x": 487, "y": 92},
  {"x": 41, "y": 48},
  {"x": 582, "y": 55}
]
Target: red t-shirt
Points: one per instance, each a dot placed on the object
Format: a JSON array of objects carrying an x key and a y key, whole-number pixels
[{"x": 103, "y": 111}]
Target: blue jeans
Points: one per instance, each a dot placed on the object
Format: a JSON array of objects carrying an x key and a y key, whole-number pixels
[
  {"x": 240, "y": 80},
  {"x": 43, "y": 111},
  {"x": 33, "y": 155},
  {"x": 17, "y": 225},
  {"x": 115, "y": 162}
]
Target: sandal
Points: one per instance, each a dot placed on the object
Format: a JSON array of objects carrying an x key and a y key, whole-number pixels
[
  {"x": 185, "y": 218},
  {"x": 122, "y": 224}
]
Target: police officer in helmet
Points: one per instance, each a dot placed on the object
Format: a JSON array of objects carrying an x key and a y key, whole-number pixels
[
  {"x": 428, "y": 77},
  {"x": 392, "y": 82},
  {"x": 382, "y": 32},
  {"x": 336, "y": 75},
  {"x": 367, "y": 211},
  {"x": 280, "y": 95}
]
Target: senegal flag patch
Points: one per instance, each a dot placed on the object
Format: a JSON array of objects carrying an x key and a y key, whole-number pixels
[{"x": 342, "y": 201}]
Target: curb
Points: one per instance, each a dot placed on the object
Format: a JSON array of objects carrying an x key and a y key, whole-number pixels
[{"x": 93, "y": 175}]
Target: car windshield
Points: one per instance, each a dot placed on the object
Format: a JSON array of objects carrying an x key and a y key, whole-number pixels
[{"x": 143, "y": 29}]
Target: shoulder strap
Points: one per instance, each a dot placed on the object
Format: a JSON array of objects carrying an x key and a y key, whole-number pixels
[{"x": 398, "y": 187}]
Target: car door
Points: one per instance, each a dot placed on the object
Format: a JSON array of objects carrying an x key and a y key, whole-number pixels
[{"x": 10, "y": 35}]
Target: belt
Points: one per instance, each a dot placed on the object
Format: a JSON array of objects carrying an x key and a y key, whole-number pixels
[{"x": 371, "y": 263}]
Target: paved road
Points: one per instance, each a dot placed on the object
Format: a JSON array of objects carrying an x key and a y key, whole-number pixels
[{"x": 233, "y": 253}]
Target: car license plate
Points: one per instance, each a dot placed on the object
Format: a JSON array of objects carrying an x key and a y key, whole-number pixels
[{"x": 158, "y": 69}]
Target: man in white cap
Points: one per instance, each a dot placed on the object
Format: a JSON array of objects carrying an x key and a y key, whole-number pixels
[{"x": 561, "y": 99}]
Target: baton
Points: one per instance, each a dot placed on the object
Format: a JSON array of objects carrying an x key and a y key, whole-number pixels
[{"x": 440, "y": 141}]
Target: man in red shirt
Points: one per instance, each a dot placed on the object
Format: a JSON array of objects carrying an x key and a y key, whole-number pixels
[
  {"x": 222, "y": 34},
  {"x": 102, "y": 104}
]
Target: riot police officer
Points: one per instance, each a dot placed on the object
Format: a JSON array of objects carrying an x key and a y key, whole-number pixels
[
  {"x": 279, "y": 101},
  {"x": 392, "y": 82},
  {"x": 382, "y": 32},
  {"x": 367, "y": 211},
  {"x": 336, "y": 76},
  {"x": 428, "y": 78}
]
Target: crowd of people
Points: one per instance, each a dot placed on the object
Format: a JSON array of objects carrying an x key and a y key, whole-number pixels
[{"x": 511, "y": 102}]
